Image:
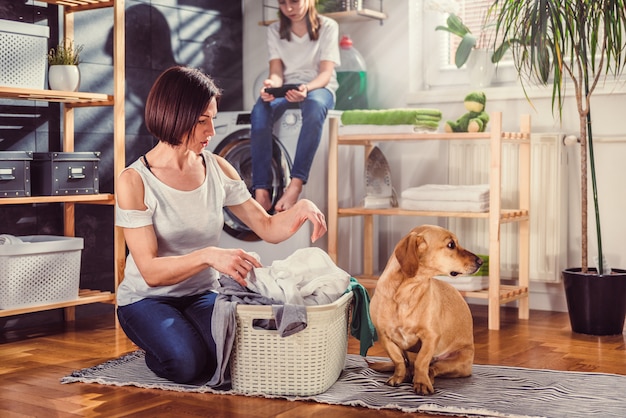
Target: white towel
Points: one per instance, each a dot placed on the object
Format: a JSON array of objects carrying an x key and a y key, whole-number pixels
[
  {"x": 448, "y": 192},
  {"x": 444, "y": 205},
  {"x": 6, "y": 239},
  {"x": 307, "y": 277}
]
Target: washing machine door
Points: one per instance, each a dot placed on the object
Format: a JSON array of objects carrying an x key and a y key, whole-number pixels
[{"x": 235, "y": 148}]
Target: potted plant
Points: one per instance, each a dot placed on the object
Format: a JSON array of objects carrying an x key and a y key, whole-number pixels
[
  {"x": 472, "y": 50},
  {"x": 580, "y": 40},
  {"x": 63, "y": 72}
]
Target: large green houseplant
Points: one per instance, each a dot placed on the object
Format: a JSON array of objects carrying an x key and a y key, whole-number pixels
[{"x": 553, "y": 41}]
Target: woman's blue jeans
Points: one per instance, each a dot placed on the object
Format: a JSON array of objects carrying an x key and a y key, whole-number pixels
[
  {"x": 175, "y": 334},
  {"x": 264, "y": 114}
]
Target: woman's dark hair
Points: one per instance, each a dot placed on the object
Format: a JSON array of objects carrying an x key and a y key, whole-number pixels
[
  {"x": 312, "y": 23},
  {"x": 176, "y": 100}
]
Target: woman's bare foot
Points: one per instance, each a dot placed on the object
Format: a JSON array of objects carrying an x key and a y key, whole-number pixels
[
  {"x": 263, "y": 197},
  {"x": 290, "y": 197}
]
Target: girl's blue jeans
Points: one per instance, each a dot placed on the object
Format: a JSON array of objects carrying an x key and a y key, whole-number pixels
[
  {"x": 175, "y": 334},
  {"x": 264, "y": 114}
]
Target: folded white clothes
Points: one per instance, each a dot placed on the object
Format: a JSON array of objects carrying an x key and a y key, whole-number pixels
[
  {"x": 6, "y": 239},
  {"x": 307, "y": 277},
  {"x": 444, "y": 205},
  {"x": 448, "y": 192}
]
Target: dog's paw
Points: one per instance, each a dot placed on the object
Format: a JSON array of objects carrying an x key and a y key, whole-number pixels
[
  {"x": 423, "y": 388},
  {"x": 396, "y": 380}
]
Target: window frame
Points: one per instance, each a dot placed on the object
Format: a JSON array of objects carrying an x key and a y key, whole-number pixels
[{"x": 431, "y": 43}]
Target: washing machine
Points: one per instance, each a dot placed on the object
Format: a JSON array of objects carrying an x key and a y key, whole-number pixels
[{"x": 232, "y": 141}]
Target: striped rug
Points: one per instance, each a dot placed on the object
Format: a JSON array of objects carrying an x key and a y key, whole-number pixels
[{"x": 491, "y": 391}]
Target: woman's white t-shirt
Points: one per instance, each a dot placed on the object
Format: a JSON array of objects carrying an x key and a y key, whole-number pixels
[{"x": 183, "y": 221}]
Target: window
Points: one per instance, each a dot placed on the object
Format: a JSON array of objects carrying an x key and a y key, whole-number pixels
[{"x": 438, "y": 48}]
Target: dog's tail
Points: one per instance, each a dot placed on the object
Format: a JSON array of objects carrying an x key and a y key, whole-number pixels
[{"x": 386, "y": 366}]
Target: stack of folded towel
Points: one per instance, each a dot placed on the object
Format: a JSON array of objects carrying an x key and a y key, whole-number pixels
[
  {"x": 446, "y": 198},
  {"x": 422, "y": 118}
]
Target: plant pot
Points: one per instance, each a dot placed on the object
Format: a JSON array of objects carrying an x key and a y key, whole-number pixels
[
  {"x": 64, "y": 77},
  {"x": 596, "y": 303},
  {"x": 480, "y": 68}
]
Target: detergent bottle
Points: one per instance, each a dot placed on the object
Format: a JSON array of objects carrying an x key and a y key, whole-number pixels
[{"x": 352, "y": 77}]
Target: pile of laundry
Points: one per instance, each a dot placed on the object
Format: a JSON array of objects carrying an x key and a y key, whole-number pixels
[{"x": 446, "y": 198}]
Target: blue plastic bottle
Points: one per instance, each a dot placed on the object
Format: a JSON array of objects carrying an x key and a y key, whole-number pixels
[{"x": 352, "y": 77}]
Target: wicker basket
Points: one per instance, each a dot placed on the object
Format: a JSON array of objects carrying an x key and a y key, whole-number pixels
[{"x": 306, "y": 363}]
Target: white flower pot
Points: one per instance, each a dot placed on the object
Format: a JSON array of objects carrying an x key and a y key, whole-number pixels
[
  {"x": 64, "y": 77},
  {"x": 480, "y": 68}
]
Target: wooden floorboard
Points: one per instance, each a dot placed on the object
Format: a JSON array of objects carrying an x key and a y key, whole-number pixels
[{"x": 32, "y": 361}]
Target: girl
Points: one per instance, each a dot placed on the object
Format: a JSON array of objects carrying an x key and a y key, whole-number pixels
[{"x": 303, "y": 50}]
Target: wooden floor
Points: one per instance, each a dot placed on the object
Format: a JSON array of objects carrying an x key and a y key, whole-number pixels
[{"x": 32, "y": 362}]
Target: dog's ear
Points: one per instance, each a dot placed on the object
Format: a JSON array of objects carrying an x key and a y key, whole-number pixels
[{"x": 407, "y": 253}]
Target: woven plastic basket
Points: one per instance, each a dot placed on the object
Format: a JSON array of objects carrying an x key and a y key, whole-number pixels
[
  {"x": 306, "y": 363},
  {"x": 44, "y": 269}
]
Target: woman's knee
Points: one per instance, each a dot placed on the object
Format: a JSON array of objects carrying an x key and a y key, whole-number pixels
[{"x": 180, "y": 364}]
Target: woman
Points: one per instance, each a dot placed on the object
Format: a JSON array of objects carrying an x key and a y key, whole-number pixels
[
  {"x": 169, "y": 204},
  {"x": 303, "y": 50}
]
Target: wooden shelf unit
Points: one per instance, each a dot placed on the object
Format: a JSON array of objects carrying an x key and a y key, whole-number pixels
[
  {"x": 497, "y": 294},
  {"x": 342, "y": 16},
  {"x": 70, "y": 101}
]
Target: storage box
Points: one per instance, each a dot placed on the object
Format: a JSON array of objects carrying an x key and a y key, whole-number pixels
[
  {"x": 305, "y": 363},
  {"x": 23, "y": 54},
  {"x": 65, "y": 173},
  {"x": 43, "y": 269},
  {"x": 15, "y": 173}
]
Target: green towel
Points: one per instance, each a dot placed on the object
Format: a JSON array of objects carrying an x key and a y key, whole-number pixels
[
  {"x": 361, "y": 326},
  {"x": 421, "y": 117}
]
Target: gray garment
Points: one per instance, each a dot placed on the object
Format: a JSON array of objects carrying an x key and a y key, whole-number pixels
[{"x": 289, "y": 319}]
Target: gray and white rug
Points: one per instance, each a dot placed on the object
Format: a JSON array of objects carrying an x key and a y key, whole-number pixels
[{"x": 491, "y": 391}]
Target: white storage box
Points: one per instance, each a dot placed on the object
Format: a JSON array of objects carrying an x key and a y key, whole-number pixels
[
  {"x": 43, "y": 269},
  {"x": 303, "y": 364},
  {"x": 23, "y": 54}
]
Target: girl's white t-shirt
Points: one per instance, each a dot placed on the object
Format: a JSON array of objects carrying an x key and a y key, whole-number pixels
[{"x": 301, "y": 56}]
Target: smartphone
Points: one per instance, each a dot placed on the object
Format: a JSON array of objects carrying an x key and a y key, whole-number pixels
[{"x": 281, "y": 91}]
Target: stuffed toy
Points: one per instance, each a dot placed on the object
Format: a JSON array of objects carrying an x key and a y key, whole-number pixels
[{"x": 476, "y": 119}]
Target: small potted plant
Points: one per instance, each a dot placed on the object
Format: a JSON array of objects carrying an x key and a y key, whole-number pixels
[
  {"x": 473, "y": 50},
  {"x": 63, "y": 71}
]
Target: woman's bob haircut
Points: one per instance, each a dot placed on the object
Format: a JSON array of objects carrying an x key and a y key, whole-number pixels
[{"x": 178, "y": 98}]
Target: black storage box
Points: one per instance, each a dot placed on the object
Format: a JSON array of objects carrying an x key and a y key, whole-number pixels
[
  {"x": 15, "y": 173},
  {"x": 65, "y": 173}
]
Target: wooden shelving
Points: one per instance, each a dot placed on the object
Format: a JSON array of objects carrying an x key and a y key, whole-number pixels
[
  {"x": 497, "y": 294},
  {"x": 342, "y": 16},
  {"x": 70, "y": 101}
]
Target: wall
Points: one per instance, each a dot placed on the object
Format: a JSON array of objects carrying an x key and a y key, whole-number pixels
[{"x": 394, "y": 81}]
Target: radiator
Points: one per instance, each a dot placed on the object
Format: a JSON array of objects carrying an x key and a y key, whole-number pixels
[{"x": 469, "y": 164}]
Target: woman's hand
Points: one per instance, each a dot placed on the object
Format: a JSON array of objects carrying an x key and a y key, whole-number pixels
[
  {"x": 235, "y": 263},
  {"x": 305, "y": 210}
]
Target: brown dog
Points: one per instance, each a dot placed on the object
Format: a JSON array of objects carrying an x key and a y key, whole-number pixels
[{"x": 423, "y": 323}]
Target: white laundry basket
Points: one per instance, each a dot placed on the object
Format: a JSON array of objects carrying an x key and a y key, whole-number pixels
[
  {"x": 303, "y": 364},
  {"x": 43, "y": 269}
]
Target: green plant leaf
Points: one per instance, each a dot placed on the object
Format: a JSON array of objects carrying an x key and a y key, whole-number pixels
[{"x": 464, "y": 49}]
